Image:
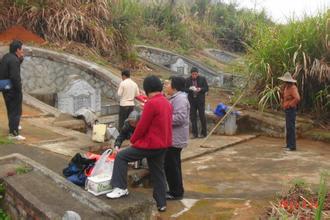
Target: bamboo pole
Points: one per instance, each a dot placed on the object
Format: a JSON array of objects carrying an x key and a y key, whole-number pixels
[{"x": 202, "y": 145}]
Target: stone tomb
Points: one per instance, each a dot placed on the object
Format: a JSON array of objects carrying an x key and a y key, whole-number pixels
[
  {"x": 77, "y": 94},
  {"x": 180, "y": 67}
]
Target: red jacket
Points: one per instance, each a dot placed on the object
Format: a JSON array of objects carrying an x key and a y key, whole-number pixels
[
  {"x": 154, "y": 130},
  {"x": 291, "y": 97}
]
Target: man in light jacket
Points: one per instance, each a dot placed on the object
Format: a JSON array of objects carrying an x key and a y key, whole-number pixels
[
  {"x": 180, "y": 125},
  {"x": 127, "y": 92}
]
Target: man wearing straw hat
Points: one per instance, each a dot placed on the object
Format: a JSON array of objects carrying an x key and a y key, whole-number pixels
[{"x": 290, "y": 99}]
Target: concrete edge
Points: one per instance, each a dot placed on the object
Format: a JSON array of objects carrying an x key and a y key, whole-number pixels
[
  {"x": 76, "y": 192},
  {"x": 211, "y": 71},
  {"x": 209, "y": 53},
  {"x": 47, "y": 109},
  {"x": 212, "y": 150},
  {"x": 40, "y": 208},
  {"x": 64, "y": 139}
]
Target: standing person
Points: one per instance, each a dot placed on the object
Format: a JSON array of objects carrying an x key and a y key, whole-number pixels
[
  {"x": 290, "y": 100},
  {"x": 10, "y": 68},
  {"x": 151, "y": 138},
  {"x": 127, "y": 91},
  {"x": 180, "y": 125},
  {"x": 197, "y": 86}
]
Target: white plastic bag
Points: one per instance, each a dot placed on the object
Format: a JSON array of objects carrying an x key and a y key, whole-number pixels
[
  {"x": 103, "y": 166},
  {"x": 112, "y": 133}
]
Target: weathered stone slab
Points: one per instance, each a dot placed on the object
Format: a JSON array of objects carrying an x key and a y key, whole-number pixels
[
  {"x": 77, "y": 94},
  {"x": 43, "y": 194}
]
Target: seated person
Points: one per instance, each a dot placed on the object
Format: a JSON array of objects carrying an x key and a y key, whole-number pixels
[
  {"x": 151, "y": 139},
  {"x": 127, "y": 129}
]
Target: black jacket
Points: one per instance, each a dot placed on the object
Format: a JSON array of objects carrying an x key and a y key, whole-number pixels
[
  {"x": 201, "y": 83},
  {"x": 10, "y": 68},
  {"x": 125, "y": 134}
]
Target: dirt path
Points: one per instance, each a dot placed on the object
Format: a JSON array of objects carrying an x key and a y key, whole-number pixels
[{"x": 33, "y": 133}]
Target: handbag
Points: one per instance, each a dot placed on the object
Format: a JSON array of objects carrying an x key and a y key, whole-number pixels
[{"x": 5, "y": 84}]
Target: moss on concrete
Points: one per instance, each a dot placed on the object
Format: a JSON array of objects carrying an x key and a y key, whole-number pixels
[
  {"x": 5, "y": 140},
  {"x": 319, "y": 134}
]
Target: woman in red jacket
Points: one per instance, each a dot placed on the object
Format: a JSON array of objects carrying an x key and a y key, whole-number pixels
[{"x": 151, "y": 138}]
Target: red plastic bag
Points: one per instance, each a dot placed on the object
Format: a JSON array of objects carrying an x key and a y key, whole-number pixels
[{"x": 142, "y": 98}]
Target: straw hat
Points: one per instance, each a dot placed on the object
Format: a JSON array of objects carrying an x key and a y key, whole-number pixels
[{"x": 287, "y": 78}]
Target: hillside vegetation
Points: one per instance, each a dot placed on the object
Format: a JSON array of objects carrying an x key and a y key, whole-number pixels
[{"x": 106, "y": 30}]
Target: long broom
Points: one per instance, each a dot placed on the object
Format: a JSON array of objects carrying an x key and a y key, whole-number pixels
[{"x": 202, "y": 145}]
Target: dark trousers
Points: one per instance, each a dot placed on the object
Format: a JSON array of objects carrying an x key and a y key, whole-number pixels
[
  {"x": 13, "y": 101},
  {"x": 124, "y": 112},
  {"x": 173, "y": 171},
  {"x": 197, "y": 105},
  {"x": 290, "y": 123},
  {"x": 155, "y": 160}
]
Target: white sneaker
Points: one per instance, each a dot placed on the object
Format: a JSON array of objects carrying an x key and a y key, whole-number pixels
[
  {"x": 17, "y": 137},
  {"x": 117, "y": 193}
]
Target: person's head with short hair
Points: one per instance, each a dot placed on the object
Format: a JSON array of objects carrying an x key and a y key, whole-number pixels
[
  {"x": 133, "y": 118},
  {"x": 194, "y": 72},
  {"x": 176, "y": 84},
  {"x": 16, "y": 47},
  {"x": 125, "y": 74},
  {"x": 152, "y": 84}
]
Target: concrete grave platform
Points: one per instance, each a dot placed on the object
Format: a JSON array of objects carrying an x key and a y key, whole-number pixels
[
  {"x": 272, "y": 124},
  {"x": 40, "y": 193}
]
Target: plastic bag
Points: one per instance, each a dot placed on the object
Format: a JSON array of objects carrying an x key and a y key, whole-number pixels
[
  {"x": 112, "y": 133},
  {"x": 103, "y": 166},
  {"x": 99, "y": 131}
]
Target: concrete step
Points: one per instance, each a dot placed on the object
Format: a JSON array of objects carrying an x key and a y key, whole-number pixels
[{"x": 39, "y": 193}]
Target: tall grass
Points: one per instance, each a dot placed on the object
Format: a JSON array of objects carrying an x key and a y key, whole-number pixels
[
  {"x": 298, "y": 47},
  {"x": 321, "y": 196},
  {"x": 57, "y": 21}
]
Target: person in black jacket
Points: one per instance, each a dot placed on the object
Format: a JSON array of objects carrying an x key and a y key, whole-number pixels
[
  {"x": 10, "y": 68},
  {"x": 127, "y": 129},
  {"x": 197, "y": 86}
]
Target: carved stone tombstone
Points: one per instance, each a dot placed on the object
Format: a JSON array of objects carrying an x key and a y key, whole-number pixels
[
  {"x": 180, "y": 67},
  {"x": 76, "y": 94}
]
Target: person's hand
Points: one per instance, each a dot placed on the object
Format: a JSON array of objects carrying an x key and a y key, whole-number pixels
[
  {"x": 198, "y": 89},
  {"x": 116, "y": 149},
  {"x": 192, "y": 88}
]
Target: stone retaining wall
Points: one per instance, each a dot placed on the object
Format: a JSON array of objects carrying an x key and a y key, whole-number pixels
[
  {"x": 222, "y": 56},
  {"x": 166, "y": 58},
  {"x": 45, "y": 71}
]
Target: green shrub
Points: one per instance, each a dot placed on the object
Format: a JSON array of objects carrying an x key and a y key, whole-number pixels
[{"x": 298, "y": 47}]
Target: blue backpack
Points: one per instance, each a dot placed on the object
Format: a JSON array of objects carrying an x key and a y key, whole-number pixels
[
  {"x": 220, "y": 110},
  {"x": 75, "y": 171}
]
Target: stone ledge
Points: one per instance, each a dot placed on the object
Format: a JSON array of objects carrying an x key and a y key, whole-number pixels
[
  {"x": 270, "y": 123},
  {"x": 100, "y": 208}
]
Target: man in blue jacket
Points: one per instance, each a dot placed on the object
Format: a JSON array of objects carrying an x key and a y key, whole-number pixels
[{"x": 10, "y": 68}]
